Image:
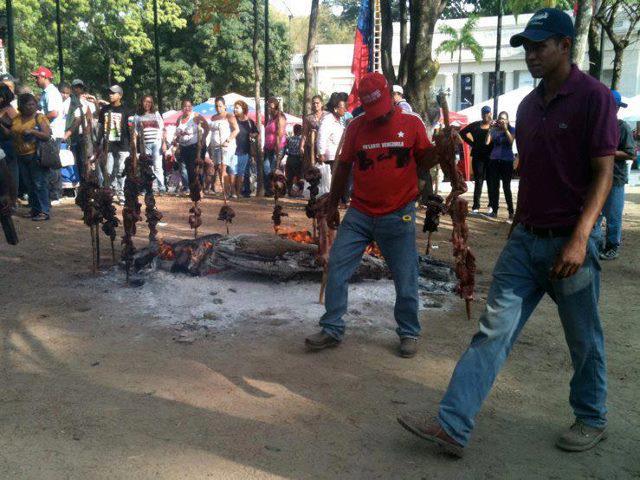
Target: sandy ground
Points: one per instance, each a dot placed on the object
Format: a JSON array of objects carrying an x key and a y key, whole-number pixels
[{"x": 94, "y": 384}]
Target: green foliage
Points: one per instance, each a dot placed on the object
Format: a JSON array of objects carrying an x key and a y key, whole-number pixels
[
  {"x": 484, "y": 8},
  {"x": 331, "y": 29},
  {"x": 461, "y": 40},
  {"x": 205, "y": 46}
]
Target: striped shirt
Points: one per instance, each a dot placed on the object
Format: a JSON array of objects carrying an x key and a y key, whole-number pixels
[{"x": 150, "y": 126}]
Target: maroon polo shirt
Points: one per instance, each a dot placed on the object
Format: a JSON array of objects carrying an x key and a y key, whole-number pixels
[{"x": 556, "y": 143}]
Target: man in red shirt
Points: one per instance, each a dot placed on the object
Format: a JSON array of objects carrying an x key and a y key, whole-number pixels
[{"x": 383, "y": 146}]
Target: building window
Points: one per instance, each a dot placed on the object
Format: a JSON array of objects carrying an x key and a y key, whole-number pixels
[
  {"x": 488, "y": 81},
  {"x": 522, "y": 78}
]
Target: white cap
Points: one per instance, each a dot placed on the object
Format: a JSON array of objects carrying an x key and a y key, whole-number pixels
[{"x": 398, "y": 89}]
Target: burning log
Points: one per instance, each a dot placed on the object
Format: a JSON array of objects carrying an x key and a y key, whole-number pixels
[{"x": 458, "y": 209}]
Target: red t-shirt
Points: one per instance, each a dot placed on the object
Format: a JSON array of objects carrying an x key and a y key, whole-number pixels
[{"x": 384, "y": 161}]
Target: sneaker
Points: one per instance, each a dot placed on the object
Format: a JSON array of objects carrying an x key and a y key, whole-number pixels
[
  {"x": 40, "y": 217},
  {"x": 610, "y": 253},
  {"x": 491, "y": 214},
  {"x": 475, "y": 211},
  {"x": 408, "y": 347},
  {"x": 320, "y": 341},
  {"x": 162, "y": 224},
  {"x": 580, "y": 437},
  {"x": 55, "y": 203},
  {"x": 429, "y": 428},
  {"x": 489, "y": 210}
]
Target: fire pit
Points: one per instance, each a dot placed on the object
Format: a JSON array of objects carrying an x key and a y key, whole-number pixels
[{"x": 284, "y": 256}]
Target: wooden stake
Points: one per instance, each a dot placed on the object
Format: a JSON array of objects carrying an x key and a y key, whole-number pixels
[
  {"x": 468, "y": 307},
  {"x": 94, "y": 268},
  {"x": 323, "y": 285}
]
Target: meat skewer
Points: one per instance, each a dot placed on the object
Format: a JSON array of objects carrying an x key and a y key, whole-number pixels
[
  {"x": 457, "y": 208},
  {"x": 226, "y": 214},
  {"x": 152, "y": 214},
  {"x": 313, "y": 177},
  {"x": 195, "y": 190},
  {"x": 131, "y": 211},
  {"x": 279, "y": 186}
]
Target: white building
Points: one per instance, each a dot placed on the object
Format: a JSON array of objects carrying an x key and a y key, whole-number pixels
[{"x": 332, "y": 63}]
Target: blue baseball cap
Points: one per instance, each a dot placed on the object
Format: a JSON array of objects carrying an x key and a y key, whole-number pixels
[
  {"x": 618, "y": 99},
  {"x": 486, "y": 109},
  {"x": 544, "y": 24}
]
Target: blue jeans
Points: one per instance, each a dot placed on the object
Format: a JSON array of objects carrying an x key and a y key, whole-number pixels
[
  {"x": 612, "y": 211},
  {"x": 155, "y": 150},
  {"x": 520, "y": 279},
  {"x": 395, "y": 234},
  {"x": 241, "y": 163},
  {"x": 269, "y": 170},
  {"x": 37, "y": 181},
  {"x": 115, "y": 169}
]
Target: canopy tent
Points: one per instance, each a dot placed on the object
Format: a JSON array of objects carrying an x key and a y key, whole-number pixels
[
  {"x": 507, "y": 102},
  {"x": 632, "y": 112}
]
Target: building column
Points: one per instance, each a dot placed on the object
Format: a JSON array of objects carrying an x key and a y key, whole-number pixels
[{"x": 477, "y": 88}]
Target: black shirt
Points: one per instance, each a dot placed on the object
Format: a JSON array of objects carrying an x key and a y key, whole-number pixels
[
  {"x": 243, "y": 143},
  {"x": 479, "y": 147},
  {"x": 114, "y": 125}
]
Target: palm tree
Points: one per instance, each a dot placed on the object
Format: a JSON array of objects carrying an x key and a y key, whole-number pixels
[{"x": 459, "y": 40}]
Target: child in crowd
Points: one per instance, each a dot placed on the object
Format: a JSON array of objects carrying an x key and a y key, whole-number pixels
[{"x": 293, "y": 169}]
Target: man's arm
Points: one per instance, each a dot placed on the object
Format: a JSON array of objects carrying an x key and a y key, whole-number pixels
[
  {"x": 339, "y": 182},
  {"x": 573, "y": 253},
  {"x": 464, "y": 133}
]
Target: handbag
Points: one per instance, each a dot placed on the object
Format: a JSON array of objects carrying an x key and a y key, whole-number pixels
[{"x": 49, "y": 154}]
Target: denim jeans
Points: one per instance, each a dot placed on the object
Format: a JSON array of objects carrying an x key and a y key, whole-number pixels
[
  {"x": 155, "y": 150},
  {"x": 395, "y": 234},
  {"x": 242, "y": 160},
  {"x": 612, "y": 211},
  {"x": 269, "y": 170},
  {"x": 115, "y": 168},
  {"x": 520, "y": 279},
  {"x": 37, "y": 180}
]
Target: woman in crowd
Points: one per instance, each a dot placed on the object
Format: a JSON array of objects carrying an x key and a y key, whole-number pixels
[
  {"x": 330, "y": 131},
  {"x": 310, "y": 126},
  {"x": 150, "y": 126},
  {"x": 475, "y": 134},
  {"x": 500, "y": 168},
  {"x": 247, "y": 135},
  {"x": 27, "y": 128},
  {"x": 222, "y": 149},
  {"x": 188, "y": 139},
  {"x": 7, "y": 114},
  {"x": 274, "y": 141}
]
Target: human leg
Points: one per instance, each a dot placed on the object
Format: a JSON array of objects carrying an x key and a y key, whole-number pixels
[
  {"x": 612, "y": 211},
  {"x": 354, "y": 234},
  {"x": 493, "y": 185},
  {"x": 155, "y": 150},
  {"x": 39, "y": 183},
  {"x": 513, "y": 295},
  {"x": 506, "y": 173},
  {"x": 577, "y": 301},
  {"x": 396, "y": 236},
  {"x": 479, "y": 172}
]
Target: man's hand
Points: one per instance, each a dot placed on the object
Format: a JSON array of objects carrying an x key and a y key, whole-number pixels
[
  {"x": 327, "y": 208},
  {"x": 570, "y": 259}
]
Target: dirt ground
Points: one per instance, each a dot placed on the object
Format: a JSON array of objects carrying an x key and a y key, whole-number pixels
[{"x": 94, "y": 389}]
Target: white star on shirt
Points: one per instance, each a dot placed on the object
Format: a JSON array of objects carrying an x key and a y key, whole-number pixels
[{"x": 401, "y": 134}]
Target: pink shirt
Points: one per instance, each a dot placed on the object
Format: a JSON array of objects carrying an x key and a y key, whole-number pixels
[{"x": 271, "y": 133}]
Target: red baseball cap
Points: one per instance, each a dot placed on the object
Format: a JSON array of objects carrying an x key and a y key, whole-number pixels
[
  {"x": 43, "y": 72},
  {"x": 374, "y": 95}
]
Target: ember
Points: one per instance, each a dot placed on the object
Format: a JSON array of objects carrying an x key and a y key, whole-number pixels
[
  {"x": 300, "y": 236},
  {"x": 374, "y": 250},
  {"x": 165, "y": 251}
]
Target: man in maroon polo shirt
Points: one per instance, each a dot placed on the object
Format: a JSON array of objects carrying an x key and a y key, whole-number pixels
[{"x": 567, "y": 137}]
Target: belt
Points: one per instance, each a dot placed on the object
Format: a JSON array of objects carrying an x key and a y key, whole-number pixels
[{"x": 549, "y": 232}]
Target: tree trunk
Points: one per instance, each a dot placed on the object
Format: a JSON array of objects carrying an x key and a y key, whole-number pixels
[
  {"x": 421, "y": 69},
  {"x": 308, "y": 57},
  {"x": 595, "y": 53},
  {"x": 256, "y": 69},
  {"x": 582, "y": 26},
  {"x": 386, "y": 44},
  {"x": 402, "y": 76},
  {"x": 618, "y": 53}
]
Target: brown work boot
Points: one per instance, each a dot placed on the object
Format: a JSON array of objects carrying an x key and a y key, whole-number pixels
[
  {"x": 408, "y": 347},
  {"x": 580, "y": 437},
  {"x": 429, "y": 428},
  {"x": 320, "y": 341}
]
